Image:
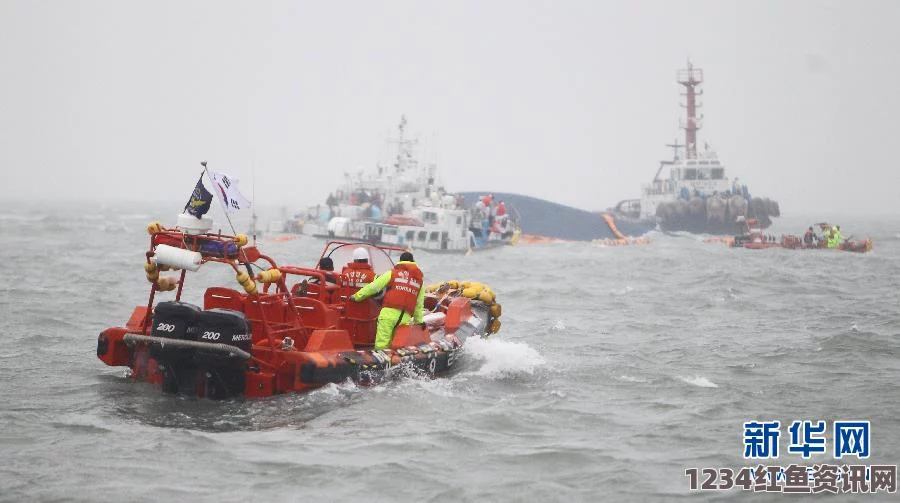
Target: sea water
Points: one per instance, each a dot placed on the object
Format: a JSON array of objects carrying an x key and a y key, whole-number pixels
[{"x": 616, "y": 370}]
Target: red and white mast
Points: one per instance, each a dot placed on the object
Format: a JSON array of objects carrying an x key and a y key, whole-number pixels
[{"x": 691, "y": 78}]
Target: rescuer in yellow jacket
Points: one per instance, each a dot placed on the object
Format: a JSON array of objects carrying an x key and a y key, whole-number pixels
[
  {"x": 403, "y": 302},
  {"x": 835, "y": 239}
]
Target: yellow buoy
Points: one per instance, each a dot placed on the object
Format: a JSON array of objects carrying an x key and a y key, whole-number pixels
[
  {"x": 269, "y": 276},
  {"x": 154, "y": 228},
  {"x": 166, "y": 284},
  {"x": 471, "y": 292},
  {"x": 244, "y": 279},
  {"x": 494, "y": 327},
  {"x": 241, "y": 239},
  {"x": 496, "y": 310},
  {"x": 486, "y": 296}
]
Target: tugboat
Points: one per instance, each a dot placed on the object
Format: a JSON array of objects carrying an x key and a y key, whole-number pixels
[
  {"x": 695, "y": 195},
  {"x": 402, "y": 205},
  {"x": 288, "y": 329}
]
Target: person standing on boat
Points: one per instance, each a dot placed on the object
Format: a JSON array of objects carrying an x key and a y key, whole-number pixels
[
  {"x": 834, "y": 241},
  {"x": 810, "y": 239},
  {"x": 358, "y": 273},
  {"x": 404, "y": 301}
]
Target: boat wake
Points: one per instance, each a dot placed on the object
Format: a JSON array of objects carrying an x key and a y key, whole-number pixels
[{"x": 501, "y": 359}]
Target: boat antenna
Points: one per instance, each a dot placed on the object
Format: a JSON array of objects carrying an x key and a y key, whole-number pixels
[
  {"x": 253, "y": 198},
  {"x": 221, "y": 201}
]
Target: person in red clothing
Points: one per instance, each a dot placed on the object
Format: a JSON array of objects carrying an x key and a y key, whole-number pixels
[{"x": 358, "y": 273}]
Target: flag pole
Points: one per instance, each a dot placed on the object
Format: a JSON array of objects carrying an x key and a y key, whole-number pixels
[{"x": 221, "y": 201}]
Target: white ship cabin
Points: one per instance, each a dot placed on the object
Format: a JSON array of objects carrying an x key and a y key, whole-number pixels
[
  {"x": 704, "y": 175},
  {"x": 441, "y": 229}
]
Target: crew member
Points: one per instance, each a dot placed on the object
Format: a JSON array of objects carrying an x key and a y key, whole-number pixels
[
  {"x": 810, "y": 236},
  {"x": 403, "y": 302},
  {"x": 326, "y": 265},
  {"x": 358, "y": 273},
  {"x": 836, "y": 237}
]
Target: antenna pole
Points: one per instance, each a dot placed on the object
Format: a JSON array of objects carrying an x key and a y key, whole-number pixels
[{"x": 690, "y": 78}]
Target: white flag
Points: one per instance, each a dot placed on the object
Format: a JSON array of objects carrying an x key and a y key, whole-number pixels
[{"x": 231, "y": 196}]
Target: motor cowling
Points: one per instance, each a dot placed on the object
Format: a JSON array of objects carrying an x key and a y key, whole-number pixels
[
  {"x": 222, "y": 326},
  {"x": 223, "y": 373},
  {"x": 174, "y": 320}
]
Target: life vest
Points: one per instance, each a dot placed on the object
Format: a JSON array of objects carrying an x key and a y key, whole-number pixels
[
  {"x": 357, "y": 274},
  {"x": 403, "y": 289}
]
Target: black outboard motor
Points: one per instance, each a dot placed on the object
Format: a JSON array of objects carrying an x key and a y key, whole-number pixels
[
  {"x": 175, "y": 320},
  {"x": 224, "y": 373}
]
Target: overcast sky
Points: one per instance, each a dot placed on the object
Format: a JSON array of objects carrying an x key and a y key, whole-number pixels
[{"x": 564, "y": 100}]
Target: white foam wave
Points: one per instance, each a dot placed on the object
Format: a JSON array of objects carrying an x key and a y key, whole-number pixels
[
  {"x": 501, "y": 358},
  {"x": 626, "y": 378},
  {"x": 698, "y": 381},
  {"x": 558, "y": 325},
  {"x": 625, "y": 291}
]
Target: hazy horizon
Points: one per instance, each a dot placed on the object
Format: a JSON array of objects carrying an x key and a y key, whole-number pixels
[{"x": 571, "y": 102}]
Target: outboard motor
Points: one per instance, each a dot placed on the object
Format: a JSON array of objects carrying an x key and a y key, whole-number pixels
[
  {"x": 224, "y": 372},
  {"x": 175, "y": 320}
]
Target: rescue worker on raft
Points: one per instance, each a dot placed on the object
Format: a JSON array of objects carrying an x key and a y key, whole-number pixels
[
  {"x": 326, "y": 265},
  {"x": 809, "y": 239},
  {"x": 835, "y": 239},
  {"x": 359, "y": 272},
  {"x": 404, "y": 299}
]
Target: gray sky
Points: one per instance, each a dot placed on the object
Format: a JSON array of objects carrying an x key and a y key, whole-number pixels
[{"x": 569, "y": 101}]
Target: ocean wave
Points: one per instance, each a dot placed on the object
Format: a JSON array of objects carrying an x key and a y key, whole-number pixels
[{"x": 698, "y": 381}]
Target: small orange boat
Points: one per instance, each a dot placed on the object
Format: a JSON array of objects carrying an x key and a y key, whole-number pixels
[{"x": 286, "y": 330}]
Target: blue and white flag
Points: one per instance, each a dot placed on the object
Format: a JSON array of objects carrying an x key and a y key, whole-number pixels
[{"x": 231, "y": 196}]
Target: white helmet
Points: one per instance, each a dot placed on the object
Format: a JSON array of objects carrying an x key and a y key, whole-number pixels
[{"x": 360, "y": 254}]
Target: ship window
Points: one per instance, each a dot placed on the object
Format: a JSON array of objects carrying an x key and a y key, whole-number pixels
[
  {"x": 422, "y": 235},
  {"x": 434, "y": 236},
  {"x": 390, "y": 231},
  {"x": 410, "y": 235},
  {"x": 445, "y": 236},
  {"x": 690, "y": 173},
  {"x": 430, "y": 218},
  {"x": 703, "y": 174},
  {"x": 717, "y": 173},
  {"x": 459, "y": 220}
]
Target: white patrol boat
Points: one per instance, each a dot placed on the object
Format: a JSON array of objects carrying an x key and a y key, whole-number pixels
[{"x": 401, "y": 205}]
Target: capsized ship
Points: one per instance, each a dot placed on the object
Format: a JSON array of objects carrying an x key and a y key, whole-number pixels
[
  {"x": 692, "y": 192},
  {"x": 545, "y": 219}
]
